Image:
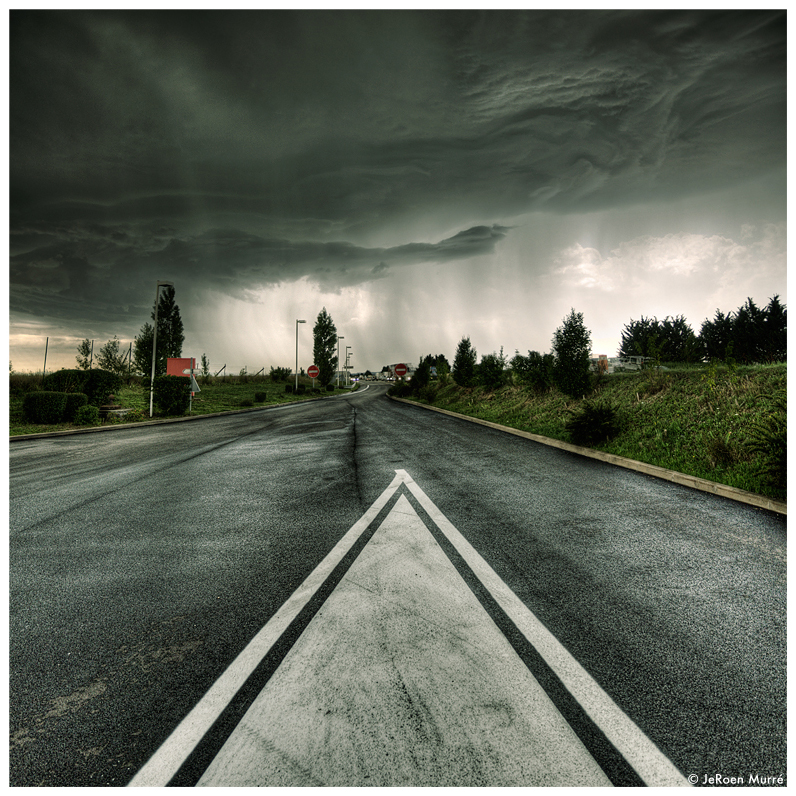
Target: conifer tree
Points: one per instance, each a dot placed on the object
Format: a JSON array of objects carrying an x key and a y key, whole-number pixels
[{"x": 324, "y": 349}]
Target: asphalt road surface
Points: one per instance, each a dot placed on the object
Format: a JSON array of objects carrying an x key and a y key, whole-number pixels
[{"x": 354, "y": 591}]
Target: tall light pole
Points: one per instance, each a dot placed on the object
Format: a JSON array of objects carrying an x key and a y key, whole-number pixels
[
  {"x": 297, "y": 323},
  {"x": 346, "y": 364},
  {"x": 338, "y": 359},
  {"x": 155, "y": 342}
]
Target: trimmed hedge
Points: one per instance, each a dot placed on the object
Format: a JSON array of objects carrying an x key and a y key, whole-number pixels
[
  {"x": 172, "y": 394},
  {"x": 45, "y": 406},
  {"x": 74, "y": 400},
  {"x": 96, "y": 384},
  {"x": 87, "y": 415}
]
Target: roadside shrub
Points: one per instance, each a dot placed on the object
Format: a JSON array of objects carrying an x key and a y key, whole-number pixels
[
  {"x": 535, "y": 370},
  {"x": 247, "y": 402},
  {"x": 330, "y": 388},
  {"x": 100, "y": 384},
  {"x": 259, "y": 397},
  {"x": 74, "y": 400},
  {"x": 594, "y": 423},
  {"x": 21, "y": 383},
  {"x": 288, "y": 388},
  {"x": 66, "y": 380},
  {"x": 769, "y": 442},
  {"x": 87, "y": 415},
  {"x": 491, "y": 371},
  {"x": 280, "y": 374},
  {"x": 44, "y": 406},
  {"x": 302, "y": 388},
  {"x": 400, "y": 389},
  {"x": 428, "y": 393},
  {"x": 172, "y": 394}
]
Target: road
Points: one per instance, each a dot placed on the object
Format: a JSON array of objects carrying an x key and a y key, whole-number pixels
[{"x": 377, "y": 594}]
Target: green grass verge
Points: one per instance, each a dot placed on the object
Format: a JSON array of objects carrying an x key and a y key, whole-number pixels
[
  {"x": 699, "y": 421},
  {"x": 217, "y": 395}
]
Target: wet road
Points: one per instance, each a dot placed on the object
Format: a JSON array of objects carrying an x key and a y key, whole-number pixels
[{"x": 144, "y": 561}]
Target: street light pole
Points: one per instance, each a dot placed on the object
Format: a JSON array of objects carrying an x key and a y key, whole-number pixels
[
  {"x": 346, "y": 364},
  {"x": 338, "y": 359},
  {"x": 297, "y": 323},
  {"x": 155, "y": 342}
]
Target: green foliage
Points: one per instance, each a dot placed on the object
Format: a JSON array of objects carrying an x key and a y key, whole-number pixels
[
  {"x": 206, "y": 366},
  {"x": 288, "y": 388},
  {"x": 280, "y": 374},
  {"x": 87, "y": 416},
  {"x": 259, "y": 397},
  {"x": 324, "y": 349},
  {"x": 422, "y": 375},
  {"x": 491, "y": 372},
  {"x": 84, "y": 354},
  {"x": 172, "y": 394},
  {"x": 535, "y": 371},
  {"x": 246, "y": 402},
  {"x": 571, "y": 349},
  {"x": 594, "y": 423},
  {"x": 769, "y": 440},
  {"x": 44, "y": 406},
  {"x": 170, "y": 336},
  {"x": 464, "y": 363},
  {"x": 669, "y": 340},
  {"x": 74, "y": 400},
  {"x": 110, "y": 359},
  {"x": 100, "y": 385},
  {"x": 66, "y": 380},
  {"x": 750, "y": 334}
]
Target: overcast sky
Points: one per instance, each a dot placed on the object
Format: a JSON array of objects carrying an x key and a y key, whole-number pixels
[{"x": 423, "y": 175}]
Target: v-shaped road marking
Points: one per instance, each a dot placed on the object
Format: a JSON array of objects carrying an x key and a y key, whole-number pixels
[{"x": 401, "y": 677}]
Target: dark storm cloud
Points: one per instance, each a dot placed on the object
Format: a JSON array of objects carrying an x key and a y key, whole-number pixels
[
  {"x": 113, "y": 270},
  {"x": 290, "y": 130}
]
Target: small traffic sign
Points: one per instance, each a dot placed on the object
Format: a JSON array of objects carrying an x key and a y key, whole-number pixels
[
  {"x": 400, "y": 370},
  {"x": 313, "y": 371}
]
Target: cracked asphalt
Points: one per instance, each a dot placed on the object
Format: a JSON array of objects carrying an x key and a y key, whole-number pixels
[{"x": 143, "y": 561}]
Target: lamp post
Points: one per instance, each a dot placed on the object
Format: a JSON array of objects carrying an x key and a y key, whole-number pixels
[
  {"x": 338, "y": 359},
  {"x": 155, "y": 342},
  {"x": 346, "y": 364},
  {"x": 297, "y": 323}
]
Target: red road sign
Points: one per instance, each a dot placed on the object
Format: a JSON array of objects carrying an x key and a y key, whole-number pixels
[
  {"x": 313, "y": 371},
  {"x": 400, "y": 370}
]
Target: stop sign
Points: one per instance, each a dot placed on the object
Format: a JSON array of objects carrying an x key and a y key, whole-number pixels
[
  {"x": 400, "y": 370},
  {"x": 313, "y": 371}
]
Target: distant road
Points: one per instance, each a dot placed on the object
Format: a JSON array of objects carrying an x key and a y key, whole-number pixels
[{"x": 361, "y": 566}]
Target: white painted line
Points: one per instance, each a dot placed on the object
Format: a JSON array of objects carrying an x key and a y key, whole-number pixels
[
  {"x": 654, "y": 768},
  {"x": 165, "y": 763},
  {"x": 402, "y": 679}
]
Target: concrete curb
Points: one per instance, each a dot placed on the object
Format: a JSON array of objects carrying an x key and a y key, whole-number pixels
[
  {"x": 740, "y": 495},
  {"x": 148, "y": 423}
]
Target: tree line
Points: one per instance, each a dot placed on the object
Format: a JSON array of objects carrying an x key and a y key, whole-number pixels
[{"x": 749, "y": 335}]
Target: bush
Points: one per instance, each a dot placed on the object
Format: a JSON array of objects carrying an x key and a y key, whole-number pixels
[
  {"x": 247, "y": 402},
  {"x": 288, "y": 388},
  {"x": 74, "y": 400},
  {"x": 172, "y": 394},
  {"x": 45, "y": 406},
  {"x": 490, "y": 371},
  {"x": 769, "y": 441},
  {"x": 571, "y": 346},
  {"x": 66, "y": 380},
  {"x": 594, "y": 423},
  {"x": 87, "y": 415},
  {"x": 302, "y": 388},
  {"x": 330, "y": 388},
  {"x": 100, "y": 384},
  {"x": 259, "y": 397}
]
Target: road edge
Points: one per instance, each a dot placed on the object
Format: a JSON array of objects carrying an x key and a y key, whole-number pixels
[
  {"x": 692, "y": 481},
  {"x": 148, "y": 423}
]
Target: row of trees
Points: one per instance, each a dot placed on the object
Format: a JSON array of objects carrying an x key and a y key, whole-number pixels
[
  {"x": 750, "y": 334},
  {"x": 568, "y": 367},
  {"x": 170, "y": 340}
]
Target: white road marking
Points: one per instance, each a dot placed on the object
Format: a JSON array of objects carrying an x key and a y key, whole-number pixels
[
  {"x": 165, "y": 763},
  {"x": 648, "y": 761},
  {"x": 402, "y": 679},
  {"x": 654, "y": 768}
]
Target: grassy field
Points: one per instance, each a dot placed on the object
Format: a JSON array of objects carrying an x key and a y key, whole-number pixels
[
  {"x": 701, "y": 421},
  {"x": 216, "y": 395}
]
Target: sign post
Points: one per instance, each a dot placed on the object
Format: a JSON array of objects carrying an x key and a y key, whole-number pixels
[
  {"x": 400, "y": 370},
  {"x": 313, "y": 371}
]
